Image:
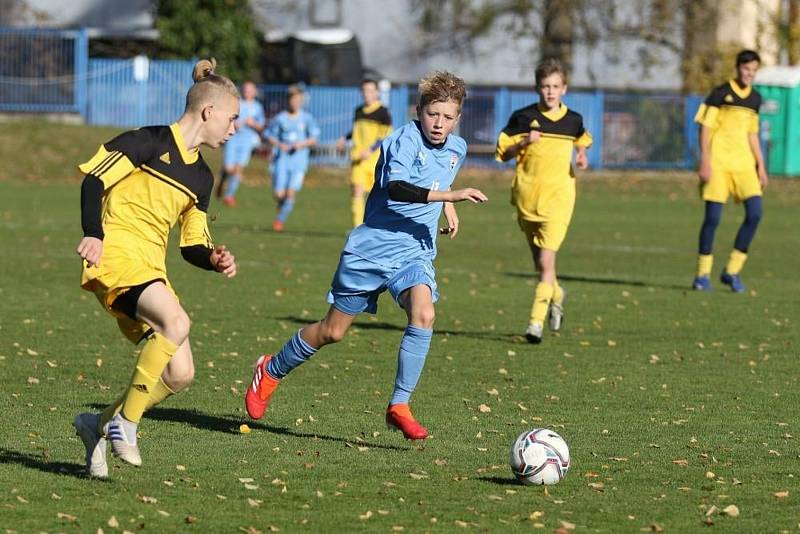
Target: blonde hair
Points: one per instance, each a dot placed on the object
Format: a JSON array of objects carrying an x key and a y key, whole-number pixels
[
  {"x": 295, "y": 89},
  {"x": 441, "y": 86},
  {"x": 207, "y": 85}
]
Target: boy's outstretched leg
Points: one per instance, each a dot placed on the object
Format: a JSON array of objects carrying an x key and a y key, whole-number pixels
[
  {"x": 545, "y": 260},
  {"x": 705, "y": 259},
  {"x": 270, "y": 370},
  {"x": 556, "y": 314},
  {"x": 411, "y": 357},
  {"x": 753, "y": 210}
]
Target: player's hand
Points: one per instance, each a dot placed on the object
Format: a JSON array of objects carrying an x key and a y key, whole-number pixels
[
  {"x": 582, "y": 161},
  {"x": 452, "y": 221},
  {"x": 341, "y": 144},
  {"x": 91, "y": 250},
  {"x": 283, "y": 147},
  {"x": 704, "y": 172},
  {"x": 471, "y": 194},
  {"x": 763, "y": 179},
  {"x": 365, "y": 154},
  {"x": 533, "y": 136},
  {"x": 223, "y": 261}
]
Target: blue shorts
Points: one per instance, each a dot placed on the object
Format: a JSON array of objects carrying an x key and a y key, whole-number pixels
[
  {"x": 358, "y": 283},
  {"x": 237, "y": 153},
  {"x": 285, "y": 177}
]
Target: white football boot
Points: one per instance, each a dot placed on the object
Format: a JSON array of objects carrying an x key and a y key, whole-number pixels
[
  {"x": 86, "y": 427},
  {"x": 122, "y": 435},
  {"x": 556, "y": 318},
  {"x": 534, "y": 333}
]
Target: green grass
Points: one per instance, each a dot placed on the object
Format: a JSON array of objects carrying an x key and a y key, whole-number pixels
[{"x": 653, "y": 386}]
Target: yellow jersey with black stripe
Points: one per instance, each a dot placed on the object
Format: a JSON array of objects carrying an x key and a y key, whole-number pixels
[
  {"x": 370, "y": 125},
  {"x": 543, "y": 185},
  {"x": 731, "y": 112},
  {"x": 151, "y": 182}
]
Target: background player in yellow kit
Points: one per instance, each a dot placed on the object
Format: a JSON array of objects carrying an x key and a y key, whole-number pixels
[
  {"x": 137, "y": 186},
  {"x": 541, "y": 137},
  {"x": 371, "y": 124},
  {"x": 731, "y": 163}
]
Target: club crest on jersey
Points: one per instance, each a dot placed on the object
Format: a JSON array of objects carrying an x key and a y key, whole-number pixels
[
  {"x": 421, "y": 157},
  {"x": 453, "y": 161},
  {"x": 728, "y": 98},
  {"x": 535, "y": 124}
]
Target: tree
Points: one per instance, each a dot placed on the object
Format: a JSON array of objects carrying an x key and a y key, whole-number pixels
[{"x": 223, "y": 29}]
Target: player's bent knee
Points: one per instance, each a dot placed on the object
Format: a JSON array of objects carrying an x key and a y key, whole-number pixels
[
  {"x": 423, "y": 318},
  {"x": 176, "y": 327},
  {"x": 179, "y": 379}
]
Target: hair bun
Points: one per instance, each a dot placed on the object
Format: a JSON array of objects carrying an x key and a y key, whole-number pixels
[{"x": 203, "y": 69}]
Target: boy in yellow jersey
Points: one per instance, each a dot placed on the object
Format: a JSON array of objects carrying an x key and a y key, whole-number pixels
[
  {"x": 731, "y": 163},
  {"x": 371, "y": 124},
  {"x": 137, "y": 186},
  {"x": 542, "y": 137}
]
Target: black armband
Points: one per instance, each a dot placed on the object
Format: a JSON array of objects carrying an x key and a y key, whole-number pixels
[
  {"x": 402, "y": 191},
  {"x": 91, "y": 202},
  {"x": 199, "y": 256}
]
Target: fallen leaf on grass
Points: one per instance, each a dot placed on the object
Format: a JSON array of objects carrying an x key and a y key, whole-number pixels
[
  {"x": 681, "y": 462},
  {"x": 255, "y": 503},
  {"x": 366, "y": 515},
  {"x": 711, "y": 511},
  {"x": 566, "y": 525},
  {"x": 484, "y": 409},
  {"x": 245, "y": 480},
  {"x": 440, "y": 462},
  {"x": 32, "y": 380},
  {"x": 251, "y": 486},
  {"x": 190, "y": 519},
  {"x": 112, "y": 522},
  {"x": 146, "y": 499},
  {"x": 731, "y": 510},
  {"x": 244, "y": 429},
  {"x": 68, "y": 517},
  {"x": 417, "y": 476},
  {"x": 781, "y": 494}
]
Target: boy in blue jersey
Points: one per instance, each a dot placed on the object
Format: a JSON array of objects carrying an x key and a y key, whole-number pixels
[
  {"x": 240, "y": 147},
  {"x": 292, "y": 133},
  {"x": 392, "y": 250}
]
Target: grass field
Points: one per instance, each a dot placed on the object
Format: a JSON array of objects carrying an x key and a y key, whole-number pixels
[{"x": 675, "y": 404}]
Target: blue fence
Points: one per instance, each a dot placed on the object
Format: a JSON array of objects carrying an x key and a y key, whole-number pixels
[
  {"x": 43, "y": 71},
  {"x": 50, "y": 71}
]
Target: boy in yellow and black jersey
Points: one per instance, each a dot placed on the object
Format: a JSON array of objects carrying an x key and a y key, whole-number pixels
[
  {"x": 542, "y": 137},
  {"x": 137, "y": 186},
  {"x": 371, "y": 124},
  {"x": 731, "y": 163}
]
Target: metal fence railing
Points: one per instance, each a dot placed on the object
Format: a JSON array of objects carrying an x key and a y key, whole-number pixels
[
  {"x": 50, "y": 71},
  {"x": 43, "y": 71}
]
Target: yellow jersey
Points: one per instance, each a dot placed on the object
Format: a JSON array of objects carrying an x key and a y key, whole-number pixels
[
  {"x": 731, "y": 112},
  {"x": 150, "y": 182},
  {"x": 370, "y": 125},
  {"x": 543, "y": 185}
]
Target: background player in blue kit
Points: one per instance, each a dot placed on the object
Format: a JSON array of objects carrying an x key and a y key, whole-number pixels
[
  {"x": 240, "y": 147},
  {"x": 393, "y": 250},
  {"x": 292, "y": 133}
]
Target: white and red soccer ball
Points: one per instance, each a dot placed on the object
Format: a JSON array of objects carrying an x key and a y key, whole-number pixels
[{"x": 539, "y": 456}]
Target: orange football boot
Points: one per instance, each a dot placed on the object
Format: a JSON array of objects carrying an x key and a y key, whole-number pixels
[
  {"x": 399, "y": 417},
  {"x": 261, "y": 389}
]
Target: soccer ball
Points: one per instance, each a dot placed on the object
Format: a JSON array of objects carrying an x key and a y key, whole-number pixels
[{"x": 539, "y": 456}]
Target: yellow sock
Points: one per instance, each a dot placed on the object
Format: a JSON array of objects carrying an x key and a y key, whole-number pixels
[
  {"x": 160, "y": 393},
  {"x": 736, "y": 262},
  {"x": 357, "y": 207},
  {"x": 558, "y": 294},
  {"x": 152, "y": 360},
  {"x": 541, "y": 301},
  {"x": 704, "y": 264}
]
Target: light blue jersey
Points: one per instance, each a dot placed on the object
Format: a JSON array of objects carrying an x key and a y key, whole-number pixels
[
  {"x": 394, "y": 233},
  {"x": 288, "y": 129}
]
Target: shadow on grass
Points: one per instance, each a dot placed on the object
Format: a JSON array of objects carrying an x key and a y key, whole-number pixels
[
  {"x": 230, "y": 425},
  {"x": 501, "y": 481},
  {"x": 35, "y": 461},
  {"x": 602, "y": 280},
  {"x": 380, "y": 325}
]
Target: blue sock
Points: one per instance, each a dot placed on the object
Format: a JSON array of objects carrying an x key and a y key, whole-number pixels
[
  {"x": 753, "y": 210},
  {"x": 285, "y": 209},
  {"x": 410, "y": 360},
  {"x": 233, "y": 184},
  {"x": 710, "y": 223},
  {"x": 295, "y": 352}
]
